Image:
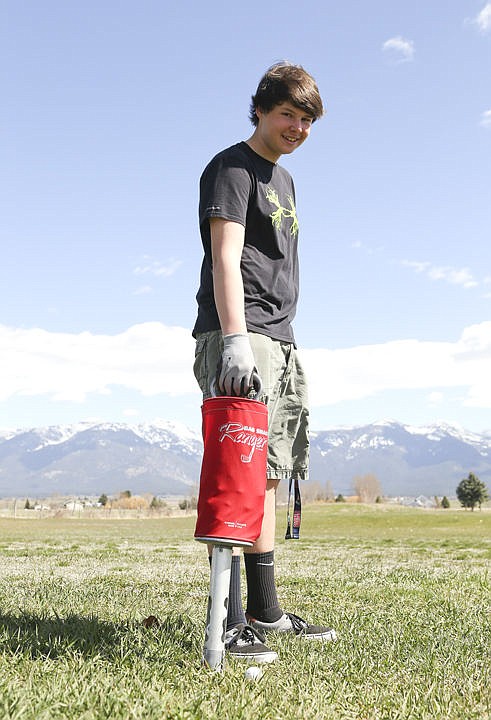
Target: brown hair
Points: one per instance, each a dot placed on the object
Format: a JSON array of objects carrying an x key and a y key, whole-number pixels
[{"x": 285, "y": 82}]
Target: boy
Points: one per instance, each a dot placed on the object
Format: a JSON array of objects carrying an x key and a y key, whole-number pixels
[{"x": 246, "y": 302}]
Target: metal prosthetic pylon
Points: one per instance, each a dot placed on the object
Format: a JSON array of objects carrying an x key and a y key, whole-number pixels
[{"x": 216, "y": 616}]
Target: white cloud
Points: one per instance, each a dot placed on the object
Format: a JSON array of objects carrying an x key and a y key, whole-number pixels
[
  {"x": 417, "y": 266},
  {"x": 154, "y": 359},
  {"x": 150, "y": 358},
  {"x": 131, "y": 412},
  {"x": 451, "y": 275},
  {"x": 483, "y": 19},
  {"x": 486, "y": 119},
  {"x": 157, "y": 268},
  {"x": 435, "y": 398},
  {"x": 359, "y": 245},
  {"x": 475, "y": 341},
  {"x": 360, "y": 372},
  {"x": 400, "y": 47}
]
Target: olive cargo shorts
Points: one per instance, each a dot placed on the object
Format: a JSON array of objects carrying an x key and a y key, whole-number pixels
[{"x": 284, "y": 391}]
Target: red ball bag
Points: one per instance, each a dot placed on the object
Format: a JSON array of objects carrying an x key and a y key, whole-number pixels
[{"x": 233, "y": 471}]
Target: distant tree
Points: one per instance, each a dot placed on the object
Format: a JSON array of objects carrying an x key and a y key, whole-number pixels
[
  {"x": 130, "y": 502},
  {"x": 329, "y": 491},
  {"x": 378, "y": 500},
  {"x": 339, "y": 498},
  {"x": 471, "y": 492},
  {"x": 103, "y": 500},
  {"x": 27, "y": 505},
  {"x": 313, "y": 492},
  {"x": 445, "y": 503},
  {"x": 367, "y": 487},
  {"x": 190, "y": 503},
  {"x": 157, "y": 503},
  {"x": 125, "y": 494}
]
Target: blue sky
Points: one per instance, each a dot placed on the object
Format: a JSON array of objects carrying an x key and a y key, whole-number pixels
[{"x": 110, "y": 111}]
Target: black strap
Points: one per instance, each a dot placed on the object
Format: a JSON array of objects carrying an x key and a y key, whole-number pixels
[{"x": 293, "y": 529}]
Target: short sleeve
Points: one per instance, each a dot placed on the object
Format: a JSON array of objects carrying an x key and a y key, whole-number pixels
[{"x": 225, "y": 190}]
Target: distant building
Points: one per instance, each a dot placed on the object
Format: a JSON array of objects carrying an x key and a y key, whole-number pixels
[
  {"x": 420, "y": 501},
  {"x": 73, "y": 506}
]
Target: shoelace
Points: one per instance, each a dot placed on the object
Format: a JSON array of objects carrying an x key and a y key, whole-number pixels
[
  {"x": 247, "y": 634},
  {"x": 298, "y": 624}
]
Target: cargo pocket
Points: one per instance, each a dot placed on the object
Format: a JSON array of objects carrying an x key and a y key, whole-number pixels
[
  {"x": 199, "y": 367},
  {"x": 207, "y": 351}
]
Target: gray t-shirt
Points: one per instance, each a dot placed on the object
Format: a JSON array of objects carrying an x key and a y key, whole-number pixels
[{"x": 240, "y": 185}]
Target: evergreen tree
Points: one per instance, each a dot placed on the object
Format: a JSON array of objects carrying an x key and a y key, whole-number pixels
[
  {"x": 471, "y": 492},
  {"x": 445, "y": 502}
]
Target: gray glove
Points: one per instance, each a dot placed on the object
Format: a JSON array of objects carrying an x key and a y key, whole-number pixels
[{"x": 236, "y": 371}]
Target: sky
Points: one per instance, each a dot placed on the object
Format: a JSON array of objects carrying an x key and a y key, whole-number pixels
[{"x": 111, "y": 110}]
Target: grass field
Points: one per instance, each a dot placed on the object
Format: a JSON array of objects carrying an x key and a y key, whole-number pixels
[{"x": 408, "y": 592}]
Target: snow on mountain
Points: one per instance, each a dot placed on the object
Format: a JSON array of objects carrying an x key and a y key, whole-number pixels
[
  {"x": 163, "y": 433},
  {"x": 167, "y": 433},
  {"x": 164, "y": 458},
  {"x": 441, "y": 429},
  {"x": 407, "y": 460},
  {"x": 91, "y": 458}
]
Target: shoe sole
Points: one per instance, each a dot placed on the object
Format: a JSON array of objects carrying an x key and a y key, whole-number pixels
[{"x": 329, "y": 636}]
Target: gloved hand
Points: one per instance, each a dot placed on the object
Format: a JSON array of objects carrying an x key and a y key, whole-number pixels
[{"x": 236, "y": 371}]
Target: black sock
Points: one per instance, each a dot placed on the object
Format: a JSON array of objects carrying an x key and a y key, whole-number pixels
[
  {"x": 262, "y": 601},
  {"x": 235, "y": 611}
]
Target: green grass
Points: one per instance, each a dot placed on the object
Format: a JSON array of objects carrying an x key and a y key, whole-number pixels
[{"x": 407, "y": 590}]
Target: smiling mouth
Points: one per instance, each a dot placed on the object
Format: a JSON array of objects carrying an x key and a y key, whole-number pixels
[{"x": 291, "y": 139}]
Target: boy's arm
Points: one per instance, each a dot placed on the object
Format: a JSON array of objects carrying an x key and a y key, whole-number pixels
[
  {"x": 236, "y": 369},
  {"x": 227, "y": 242}
]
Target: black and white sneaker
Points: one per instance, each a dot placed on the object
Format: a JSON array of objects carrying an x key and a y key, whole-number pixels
[
  {"x": 291, "y": 623},
  {"x": 245, "y": 642}
]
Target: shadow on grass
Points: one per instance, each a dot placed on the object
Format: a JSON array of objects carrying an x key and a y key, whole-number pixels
[{"x": 43, "y": 637}]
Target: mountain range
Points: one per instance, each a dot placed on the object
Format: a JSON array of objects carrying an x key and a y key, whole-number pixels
[{"x": 89, "y": 459}]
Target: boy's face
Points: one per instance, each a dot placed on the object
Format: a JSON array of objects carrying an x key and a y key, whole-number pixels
[{"x": 281, "y": 130}]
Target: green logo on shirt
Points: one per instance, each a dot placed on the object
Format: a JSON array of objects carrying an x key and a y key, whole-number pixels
[{"x": 281, "y": 212}]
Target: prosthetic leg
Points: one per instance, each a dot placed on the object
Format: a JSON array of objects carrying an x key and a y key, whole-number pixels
[
  {"x": 231, "y": 500},
  {"x": 216, "y": 616}
]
